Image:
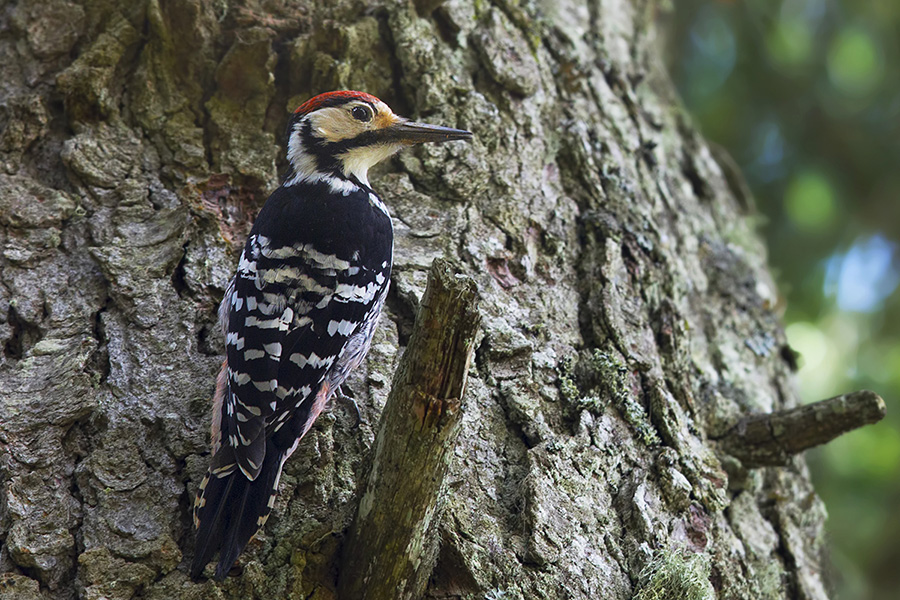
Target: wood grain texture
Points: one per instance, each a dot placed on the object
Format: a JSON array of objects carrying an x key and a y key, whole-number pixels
[{"x": 392, "y": 545}]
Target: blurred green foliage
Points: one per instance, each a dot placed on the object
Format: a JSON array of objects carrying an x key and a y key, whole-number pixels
[{"x": 805, "y": 94}]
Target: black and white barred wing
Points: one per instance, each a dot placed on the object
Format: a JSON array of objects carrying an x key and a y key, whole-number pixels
[{"x": 292, "y": 314}]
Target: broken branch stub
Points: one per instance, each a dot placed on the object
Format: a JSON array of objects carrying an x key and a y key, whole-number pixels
[
  {"x": 772, "y": 439},
  {"x": 391, "y": 548}
]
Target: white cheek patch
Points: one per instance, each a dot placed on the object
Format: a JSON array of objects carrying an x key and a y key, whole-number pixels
[
  {"x": 358, "y": 161},
  {"x": 335, "y": 124}
]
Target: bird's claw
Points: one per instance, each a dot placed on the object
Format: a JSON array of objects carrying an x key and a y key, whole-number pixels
[{"x": 349, "y": 403}]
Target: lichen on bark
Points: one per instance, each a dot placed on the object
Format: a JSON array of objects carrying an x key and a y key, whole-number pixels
[{"x": 629, "y": 319}]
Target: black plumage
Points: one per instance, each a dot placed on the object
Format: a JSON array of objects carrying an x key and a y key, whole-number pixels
[
  {"x": 316, "y": 244},
  {"x": 301, "y": 311}
]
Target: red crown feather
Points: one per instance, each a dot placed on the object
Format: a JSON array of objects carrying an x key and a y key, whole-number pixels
[{"x": 333, "y": 99}]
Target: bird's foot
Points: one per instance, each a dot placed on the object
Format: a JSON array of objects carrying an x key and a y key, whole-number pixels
[{"x": 350, "y": 404}]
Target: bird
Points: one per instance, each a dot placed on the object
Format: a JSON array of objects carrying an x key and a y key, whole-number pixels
[{"x": 301, "y": 310}]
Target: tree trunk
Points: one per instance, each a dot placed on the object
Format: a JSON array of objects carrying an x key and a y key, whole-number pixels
[{"x": 628, "y": 317}]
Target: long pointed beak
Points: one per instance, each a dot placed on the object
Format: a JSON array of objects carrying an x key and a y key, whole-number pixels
[{"x": 409, "y": 132}]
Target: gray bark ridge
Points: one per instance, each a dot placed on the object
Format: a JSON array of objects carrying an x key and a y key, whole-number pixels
[{"x": 629, "y": 319}]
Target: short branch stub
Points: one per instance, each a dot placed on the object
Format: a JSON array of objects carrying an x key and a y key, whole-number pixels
[
  {"x": 391, "y": 548},
  {"x": 771, "y": 439}
]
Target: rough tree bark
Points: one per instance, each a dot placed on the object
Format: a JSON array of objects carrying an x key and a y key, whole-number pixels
[{"x": 629, "y": 319}]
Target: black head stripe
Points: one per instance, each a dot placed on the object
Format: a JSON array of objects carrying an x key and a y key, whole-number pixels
[
  {"x": 366, "y": 138},
  {"x": 327, "y": 153}
]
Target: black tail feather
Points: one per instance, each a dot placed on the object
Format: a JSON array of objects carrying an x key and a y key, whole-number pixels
[
  {"x": 233, "y": 510},
  {"x": 233, "y": 544},
  {"x": 210, "y": 533}
]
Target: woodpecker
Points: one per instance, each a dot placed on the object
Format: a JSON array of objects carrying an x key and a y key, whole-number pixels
[{"x": 301, "y": 310}]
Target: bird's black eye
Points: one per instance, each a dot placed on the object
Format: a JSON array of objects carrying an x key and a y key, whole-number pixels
[{"x": 362, "y": 113}]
